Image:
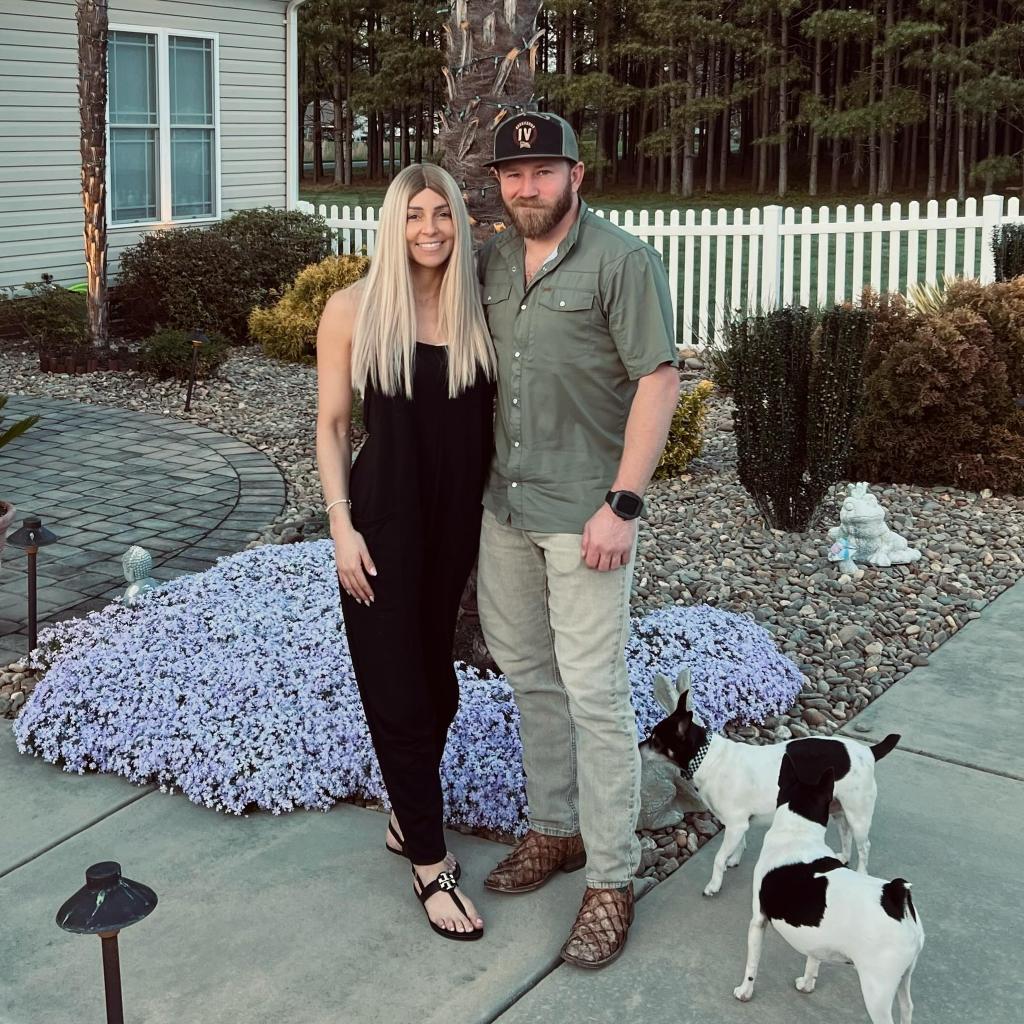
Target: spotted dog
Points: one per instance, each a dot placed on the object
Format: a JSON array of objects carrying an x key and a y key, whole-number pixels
[
  {"x": 825, "y": 910},
  {"x": 738, "y": 782}
]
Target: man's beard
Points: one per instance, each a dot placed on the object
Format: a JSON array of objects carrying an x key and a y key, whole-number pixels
[{"x": 536, "y": 221}]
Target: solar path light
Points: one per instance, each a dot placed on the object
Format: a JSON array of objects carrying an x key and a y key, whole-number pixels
[
  {"x": 32, "y": 536},
  {"x": 106, "y": 904}
]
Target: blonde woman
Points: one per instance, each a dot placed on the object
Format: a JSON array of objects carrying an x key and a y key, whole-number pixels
[{"x": 411, "y": 339}]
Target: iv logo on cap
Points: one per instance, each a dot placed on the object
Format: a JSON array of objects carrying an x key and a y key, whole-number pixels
[{"x": 525, "y": 131}]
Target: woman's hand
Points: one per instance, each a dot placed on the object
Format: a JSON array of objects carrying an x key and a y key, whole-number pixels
[{"x": 354, "y": 564}]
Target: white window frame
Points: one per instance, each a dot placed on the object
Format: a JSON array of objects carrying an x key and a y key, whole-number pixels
[{"x": 163, "y": 92}]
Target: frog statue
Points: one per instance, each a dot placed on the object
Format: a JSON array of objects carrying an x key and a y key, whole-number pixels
[{"x": 862, "y": 535}]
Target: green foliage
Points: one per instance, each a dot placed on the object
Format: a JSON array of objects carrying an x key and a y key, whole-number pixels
[
  {"x": 53, "y": 317},
  {"x": 15, "y": 429},
  {"x": 1001, "y": 169},
  {"x": 686, "y": 433},
  {"x": 212, "y": 278},
  {"x": 797, "y": 380},
  {"x": 168, "y": 354},
  {"x": 939, "y": 391},
  {"x": 1008, "y": 251},
  {"x": 288, "y": 329}
]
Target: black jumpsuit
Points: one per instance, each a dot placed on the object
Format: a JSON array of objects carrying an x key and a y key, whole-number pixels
[{"x": 416, "y": 489}]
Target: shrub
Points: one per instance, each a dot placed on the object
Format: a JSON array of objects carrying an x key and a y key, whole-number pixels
[
  {"x": 288, "y": 329},
  {"x": 212, "y": 278},
  {"x": 168, "y": 354},
  {"x": 686, "y": 434},
  {"x": 1008, "y": 251},
  {"x": 15, "y": 429},
  {"x": 797, "y": 379},
  {"x": 939, "y": 407},
  {"x": 53, "y": 317}
]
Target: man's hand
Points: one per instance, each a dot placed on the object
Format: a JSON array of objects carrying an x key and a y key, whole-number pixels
[{"x": 607, "y": 540}]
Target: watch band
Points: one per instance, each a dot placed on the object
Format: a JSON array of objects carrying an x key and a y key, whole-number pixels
[{"x": 625, "y": 504}]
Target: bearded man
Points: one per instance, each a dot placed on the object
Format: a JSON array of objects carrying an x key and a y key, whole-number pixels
[{"x": 582, "y": 322}]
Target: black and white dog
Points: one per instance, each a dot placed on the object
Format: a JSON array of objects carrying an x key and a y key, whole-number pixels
[
  {"x": 738, "y": 781},
  {"x": 824, "y": 910}
]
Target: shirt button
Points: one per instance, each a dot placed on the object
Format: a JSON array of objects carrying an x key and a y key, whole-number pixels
[
  {"x": 523, "y": 306},
  {"x": 515, "y": 401},
  {"x": 562, "y": 303},
  {"x": 514, "y": 484},
  {"x": 488, "y": 298},
  {"x": 515, "y": 444},
  {"x": 516, "y": 354}
]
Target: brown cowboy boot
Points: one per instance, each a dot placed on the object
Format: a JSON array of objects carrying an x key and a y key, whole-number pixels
[
  {"x": 534, "y": 860},
  {"x": 601, "y": 927}
]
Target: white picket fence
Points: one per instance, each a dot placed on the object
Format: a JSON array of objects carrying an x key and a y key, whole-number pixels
[{"x": 720, "y": 261}]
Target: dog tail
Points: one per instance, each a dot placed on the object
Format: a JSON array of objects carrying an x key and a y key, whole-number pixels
[
  {"x": 886, "y": 745},
  {"x": 896, "y": 899}
]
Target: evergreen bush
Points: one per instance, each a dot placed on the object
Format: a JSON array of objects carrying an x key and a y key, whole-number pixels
[
  {"x": 51, "y": 316},
  {"x": 1008, "y": 251},
  {"x": 211, "y": 278},
  {"x": 168, "y": 354},
  {"x": 686, "y": 434},
  {"x": 797, "y": 377},
  {"x": 939, "y": 404},
  {"x": 288, "y": 329}
]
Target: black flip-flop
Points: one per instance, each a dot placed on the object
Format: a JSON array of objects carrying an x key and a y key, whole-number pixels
[
  {"x": 445, "y": 882},
  {"x": 456, "y": 871}
]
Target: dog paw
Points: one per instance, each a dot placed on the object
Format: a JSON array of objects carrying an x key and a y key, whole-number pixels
[
  {"x": 733, "y": 860},
  {"x": 711, "y": 889},
  {"x": 805, "y": 984},
  {"x": 744, "y": 992}
]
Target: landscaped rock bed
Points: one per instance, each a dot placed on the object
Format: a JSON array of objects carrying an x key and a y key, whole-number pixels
[{"x": 703, "y": 541}]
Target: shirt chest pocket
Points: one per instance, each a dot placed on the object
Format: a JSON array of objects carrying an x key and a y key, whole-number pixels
[{"x": 568, "y": 300}]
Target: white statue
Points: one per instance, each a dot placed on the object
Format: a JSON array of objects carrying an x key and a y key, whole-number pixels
[
  {"x": 862, "y": 535},
  {"x": 137, "y": 564}
]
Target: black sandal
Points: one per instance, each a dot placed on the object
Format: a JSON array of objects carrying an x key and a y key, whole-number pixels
[
  {"x": 456, "y": 871},
  {"x": 445, "y": 882}
]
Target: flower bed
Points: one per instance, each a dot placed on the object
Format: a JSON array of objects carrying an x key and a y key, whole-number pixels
[{"x": 235, "y": 686}]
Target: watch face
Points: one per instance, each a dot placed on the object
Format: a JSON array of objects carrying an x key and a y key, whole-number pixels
[{"x": 629, "y": 504}]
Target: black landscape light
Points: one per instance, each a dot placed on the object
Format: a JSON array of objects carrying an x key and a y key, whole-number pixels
[
  {"x": 32, "y": 536},
  {"x": 105, "y": 905},
  {"x": 197, "y": 343}
]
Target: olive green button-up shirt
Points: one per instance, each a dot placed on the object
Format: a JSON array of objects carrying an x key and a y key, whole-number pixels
[{"x": 571, "y": 346}]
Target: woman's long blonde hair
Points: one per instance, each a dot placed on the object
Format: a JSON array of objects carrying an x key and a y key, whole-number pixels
[{"x": 384, "y": 340}]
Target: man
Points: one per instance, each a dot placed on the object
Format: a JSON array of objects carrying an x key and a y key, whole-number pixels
[{"x": 582, "y": 322}]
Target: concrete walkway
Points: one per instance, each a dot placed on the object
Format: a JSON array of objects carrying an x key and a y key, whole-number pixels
[
  {"x": 304, "y": 918},
  {"x": 103, "y": 479}
]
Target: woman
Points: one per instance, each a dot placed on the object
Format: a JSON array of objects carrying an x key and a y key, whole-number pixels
[{"x": 412, "y": 340}]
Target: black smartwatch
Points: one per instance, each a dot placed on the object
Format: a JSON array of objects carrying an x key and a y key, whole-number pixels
[{"x": 625, "y": 504}]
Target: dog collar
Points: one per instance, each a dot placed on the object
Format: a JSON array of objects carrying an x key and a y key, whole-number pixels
[{"x": 697, "y": 760}]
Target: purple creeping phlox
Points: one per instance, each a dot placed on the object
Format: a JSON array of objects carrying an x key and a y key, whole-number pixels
[{"x": 235, "y": 687}]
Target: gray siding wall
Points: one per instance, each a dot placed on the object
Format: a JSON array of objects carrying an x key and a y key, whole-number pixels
[{"x": 40, "y": 208}]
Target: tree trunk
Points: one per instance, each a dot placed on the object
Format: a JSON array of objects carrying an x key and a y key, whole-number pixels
[
  {"x": 604, "y": 45},
  {"x": 486, "y": 93},
  {"x": 933, "y": 118},
  {"x": 726, "y": 130},
  {"x": 347, "y": 138},
  {"x": 339, "y": 119},
  {"x": 812, "y": 175},
  {"x": 783, "y": 104},
  {"x": 93, "y": 32},
  {"x": 872, "y": 96},
  {"x": 947, "y": 137},
  {"x": 711, "y": 122},
  {"x": 688, "y": 125},
  {"x": 961, "y": 115},
  {"x": 837, "y": 106}
]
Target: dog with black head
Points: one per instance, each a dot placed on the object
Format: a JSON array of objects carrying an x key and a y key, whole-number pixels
[
  {"x": 739, "y": 782},
  {"x": 826, "y": 911}
]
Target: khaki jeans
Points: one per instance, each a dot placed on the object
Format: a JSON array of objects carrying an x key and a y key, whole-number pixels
[{"x": 558, "y": 631}]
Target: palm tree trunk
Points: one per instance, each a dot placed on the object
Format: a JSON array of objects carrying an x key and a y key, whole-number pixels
[
  {"x": 488, "y": 75},
  {"x": 93, "y": 31}
]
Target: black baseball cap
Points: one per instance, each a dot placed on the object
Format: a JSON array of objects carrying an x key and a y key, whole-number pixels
[{"x": 534, "y": 136}]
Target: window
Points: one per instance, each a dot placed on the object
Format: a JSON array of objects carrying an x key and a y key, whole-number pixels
[{"x": 163, "y": 126}]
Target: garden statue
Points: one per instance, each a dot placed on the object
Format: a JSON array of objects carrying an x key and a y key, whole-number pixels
[
  {"x": 665, "y": 796},
  {"x": 862, "y": 535},
  {"x": 137, "y": 564}
]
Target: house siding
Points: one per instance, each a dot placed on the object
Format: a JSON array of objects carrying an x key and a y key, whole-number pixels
[{"x": 40, "y": 206}]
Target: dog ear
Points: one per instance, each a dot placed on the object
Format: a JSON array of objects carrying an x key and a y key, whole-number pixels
[{"x": 666, "y": 695}]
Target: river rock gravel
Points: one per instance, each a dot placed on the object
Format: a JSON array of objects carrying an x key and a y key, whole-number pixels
[{"x": 703, "y": 540}]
